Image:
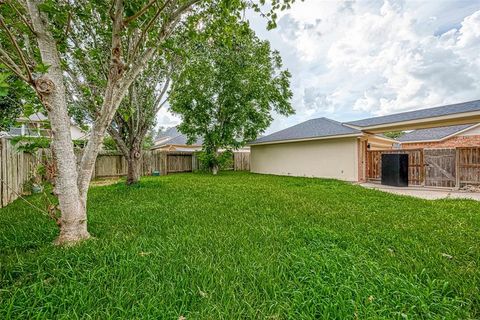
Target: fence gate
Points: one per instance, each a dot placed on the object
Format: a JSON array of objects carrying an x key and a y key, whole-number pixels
[
  {"x": 415, "y": 165},
  {"x": 440, "y": 167},
  {"x": 468, "y": 164}
]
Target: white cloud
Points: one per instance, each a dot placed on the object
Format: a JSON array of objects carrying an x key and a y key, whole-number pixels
[
  {"x": 353, "y": 59},
  {"x": 167, "y": 119},
  {"x": 380, "y": 57}
]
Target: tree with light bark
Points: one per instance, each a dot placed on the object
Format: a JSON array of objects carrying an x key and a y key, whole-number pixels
[
  {"x": 44, "y": 41},
  {"x": 227, "y": 88},
  {"x": 136, "y": 116}
]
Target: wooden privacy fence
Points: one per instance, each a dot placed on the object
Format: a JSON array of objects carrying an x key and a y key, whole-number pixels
[
  {"x": 468, "y": 166},
  {"x": 241, "y": 161},
  {"x": 433, "y": 167},
  {"x": 16, "y": 168},
  {"x": 113, "y": 164},
  {"x": 440, "y": 167}
]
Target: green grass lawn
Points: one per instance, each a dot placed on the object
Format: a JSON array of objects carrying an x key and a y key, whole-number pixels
[{"x": 245, "y": 246}]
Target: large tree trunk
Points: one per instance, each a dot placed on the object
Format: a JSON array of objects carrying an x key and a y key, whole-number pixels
[
  {"x": 51, "y": 91},
  {"x": 134, "y": 161}
]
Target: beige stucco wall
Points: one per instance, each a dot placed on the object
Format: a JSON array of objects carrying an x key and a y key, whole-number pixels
[
  {"x": 76, "y": 132},
  {"x": 333, "y": 158}
]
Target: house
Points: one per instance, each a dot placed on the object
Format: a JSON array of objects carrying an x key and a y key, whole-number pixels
[
  {"x": 326, "y": 148},
  {"x": 466, "y": 135},
  {"x": 174, "y": 140},
  {"x": 315, "y": 148},
  {"x": 37, "y": 125}
]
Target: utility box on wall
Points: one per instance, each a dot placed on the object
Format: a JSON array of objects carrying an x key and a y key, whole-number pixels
[{"x": 395, "y": 170}]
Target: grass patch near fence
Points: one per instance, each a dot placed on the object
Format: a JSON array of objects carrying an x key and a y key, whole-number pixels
[{"x": 245, "y": 246}]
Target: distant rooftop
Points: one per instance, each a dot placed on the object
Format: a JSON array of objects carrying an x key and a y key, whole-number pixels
[
  {"x": 36, "y": 117},
  {"x": 470, "y": 106},
  {"x": 314, "y": 128},
  {"x": 169, "y": 133},
  {"x": 433, "y": 134},
  {"x": 181, "y": 140},
  {"x": 174, "y": 137}
]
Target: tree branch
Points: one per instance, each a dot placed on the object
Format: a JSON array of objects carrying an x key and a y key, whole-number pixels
[
  {"x": 10, "y": 64},
  {"x": 67, "y": 28},
  {"x": 127, "y": 20},
  {"x": 22, "y": 17},
  {"x": 147, "y": 28},
  {"x": 158, "y": 105},
  {"x": 118, "y": 140},
  {"x": 17, "y": 48}
]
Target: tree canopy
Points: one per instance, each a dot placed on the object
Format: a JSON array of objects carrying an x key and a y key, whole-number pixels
[
  {"x": 82, "y": 51},
  {"x": 228, "y": 86}
]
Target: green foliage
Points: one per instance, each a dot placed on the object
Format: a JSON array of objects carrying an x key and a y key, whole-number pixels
[
  {"x": 16, "y": 99},
  {"x": 31, "y": 144},
  {"x": 4, "y": 84},
  {"x": 83, "y": 33},
  {"x": 394, "y": 134},
  {"x": 227, "y": 86},
  {"x": 148, "y": 141},
  {"x": 10, "y": 110},
  {"x": 245, "y": 246},
  {"x": 79, "y": 143},
  {"x": 224, "y": 160},
  {"x": 109, "y": 144}
]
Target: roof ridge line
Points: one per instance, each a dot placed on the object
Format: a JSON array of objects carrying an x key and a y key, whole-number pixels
[{"x": 415, "y": 110}]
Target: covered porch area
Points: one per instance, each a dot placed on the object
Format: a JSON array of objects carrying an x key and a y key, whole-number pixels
[{"x": 451, "y": 168}]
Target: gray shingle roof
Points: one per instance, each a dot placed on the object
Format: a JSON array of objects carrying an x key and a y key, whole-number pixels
[
  {"x": 432, "y": 133},
  {"x": 181, "y": 140},
  {"x": 174, "y": 137},
  {"x": 420, "y": 114},
  {"x": 170, "y": 132},
  {"x": 315, "y": 128}
]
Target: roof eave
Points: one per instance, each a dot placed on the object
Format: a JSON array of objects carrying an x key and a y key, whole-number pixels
[
  {"x": 352, "y": 135},
  {"x": 176, "y": 145},
  {"x": 385, "y": 138},
  {"x": 446, "y": 137},
  {"x": 423, "y": 123}
]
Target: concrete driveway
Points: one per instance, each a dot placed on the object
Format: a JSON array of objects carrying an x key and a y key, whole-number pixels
[{"x": 425, "y": 193}]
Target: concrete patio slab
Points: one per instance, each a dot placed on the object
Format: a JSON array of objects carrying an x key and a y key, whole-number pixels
[{"x": 425, "y": 193}]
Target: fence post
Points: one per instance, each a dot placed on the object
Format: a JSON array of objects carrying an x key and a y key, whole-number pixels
[
  {"x": 2, "y": 156},
  {"x": 194, "y": 162},
  {"x": 457, "y": 168},
  {"x": 163, "y": 163},
  {"x": 4, "y": 172}
]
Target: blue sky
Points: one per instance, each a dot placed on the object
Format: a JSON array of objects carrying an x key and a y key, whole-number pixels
[{"x": 355, "y": 59}]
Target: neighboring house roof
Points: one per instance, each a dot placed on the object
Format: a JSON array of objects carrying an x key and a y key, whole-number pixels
[
  {"x": 174, "y": 137},
  {"x": 181, "y": 140},
  {"x": 169, "y": 133},
  {"x": 470, "y": 106},
  {"x": 433, "y": 134},
  {"x": 36, "y": 117},
  {"x": 310, "y": 129}
]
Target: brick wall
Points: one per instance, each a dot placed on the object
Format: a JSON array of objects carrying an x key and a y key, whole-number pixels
[{"x": 458, "y": 141}]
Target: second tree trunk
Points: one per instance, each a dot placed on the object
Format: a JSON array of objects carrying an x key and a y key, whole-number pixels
[{"x": 134, "y": 162}]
